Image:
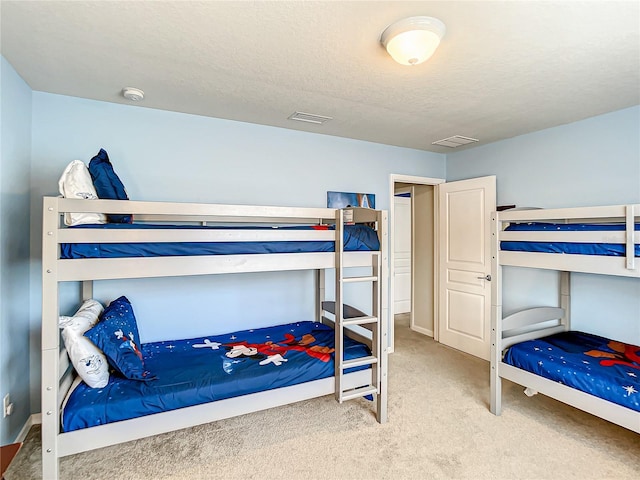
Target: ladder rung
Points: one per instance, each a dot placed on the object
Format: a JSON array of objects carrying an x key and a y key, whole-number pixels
[
  {"x": 358, "y": 362},
  {"x": 372, "y": 278},
  {"x": 359, "y": 320},
  {"x": 358, "y": 392}
]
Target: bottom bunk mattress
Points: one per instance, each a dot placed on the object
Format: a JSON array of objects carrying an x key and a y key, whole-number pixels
[
  {"x": 596, "y": 365},
  {"x": 201, "y": 370}
]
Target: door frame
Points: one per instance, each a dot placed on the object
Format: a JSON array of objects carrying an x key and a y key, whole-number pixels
[
  {"x": 410, "y": 179},
  {"x": 410, "y": 191}
]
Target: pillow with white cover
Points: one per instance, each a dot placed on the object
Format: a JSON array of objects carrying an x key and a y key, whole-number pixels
[
  {"x": 87, "y": 359},
  {"x": 76, "y": 182}
]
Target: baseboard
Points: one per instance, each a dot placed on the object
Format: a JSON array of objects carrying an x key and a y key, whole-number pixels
[
  {"x": 35, "y": 419},
  {"x": 423, "y": 331}
]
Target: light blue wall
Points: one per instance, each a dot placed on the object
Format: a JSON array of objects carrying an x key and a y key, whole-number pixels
[
  {"x": 169, "y": 156},
  {"x": 177, "y": 157},
  {"x": 14, "y": 251},
  {"x": 591, "y": 162}
]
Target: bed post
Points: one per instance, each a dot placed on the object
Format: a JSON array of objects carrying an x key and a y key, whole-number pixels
[
  {"x": 381, "y": 407},
  {"x": 339, "y": 307},
  {"x": 630, "y": 256},
  {"x": 50, "y": 340},
  {"x": 320, "y": 293},
  {"x": 495, "y": 381},
  {"x": 87, "y": 290},
  {"x": 565, "y": 299}
]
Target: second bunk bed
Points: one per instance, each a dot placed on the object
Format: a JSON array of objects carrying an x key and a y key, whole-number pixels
[
  {"x": 342, "y": 351},
  {"x": 536, "y": 347}
]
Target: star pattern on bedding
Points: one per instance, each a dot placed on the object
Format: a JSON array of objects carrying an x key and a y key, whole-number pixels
[
  {"x": 207, "y": 344},
  {"x": 602, "y": 367}
]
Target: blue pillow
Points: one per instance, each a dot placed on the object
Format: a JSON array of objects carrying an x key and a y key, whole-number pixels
[
  {"x": 107, "y": 184},
  {"x": 116, "y": 334}
]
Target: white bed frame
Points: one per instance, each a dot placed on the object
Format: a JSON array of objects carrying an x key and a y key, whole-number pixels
[
  {"x": 58, "y": 374},
  {"x": 542, "y": 321}
]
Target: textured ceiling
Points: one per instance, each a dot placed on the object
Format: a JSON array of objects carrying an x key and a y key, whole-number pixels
[{"x": 502, "y": 69}]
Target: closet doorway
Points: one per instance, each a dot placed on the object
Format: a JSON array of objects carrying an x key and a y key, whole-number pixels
[{"x": 412, "y": 251}]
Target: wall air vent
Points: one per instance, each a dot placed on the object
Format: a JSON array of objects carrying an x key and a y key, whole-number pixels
[
  {"x": 309, "y": 118},
  {"x": 455, "y": 141}
]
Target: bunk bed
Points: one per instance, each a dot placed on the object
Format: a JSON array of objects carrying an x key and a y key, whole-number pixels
[
  {"x": 535, "y": 347},
  {"x": 184, "y": 239}
]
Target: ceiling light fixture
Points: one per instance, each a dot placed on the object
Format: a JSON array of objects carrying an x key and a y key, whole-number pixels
[
  {"x": 413, "y": 40},
  {"x": 133, "y": 94}
]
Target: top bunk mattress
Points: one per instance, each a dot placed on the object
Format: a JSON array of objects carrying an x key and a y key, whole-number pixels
[
  {"x": 201, "y": 370},
  {"x": 604, "y": 249},
  {"x": 596, "y": 365},
  {"x": 356, "y": 238}
]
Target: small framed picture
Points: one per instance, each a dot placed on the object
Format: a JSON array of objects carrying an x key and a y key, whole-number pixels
[{"x": 347, "y": 199}]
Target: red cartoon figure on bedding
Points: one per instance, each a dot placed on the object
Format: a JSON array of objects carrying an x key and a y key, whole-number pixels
[
  {"x": 623, "y": 354},
  {"x": 128, "y": 342},
  {"x": 274, "y": 352}
]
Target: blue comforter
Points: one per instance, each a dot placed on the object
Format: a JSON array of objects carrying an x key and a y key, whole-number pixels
[
  {"x": 356, "y": 238},
  {"x": 592, "y": 364},
  {"x": 201, "y": 370},
  {"x": 605, "y": 249}
]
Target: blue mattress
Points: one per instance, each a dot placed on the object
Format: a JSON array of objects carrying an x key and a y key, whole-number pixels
[
  {"x": 606, "y": 249},
  {"x": 202, "y": 370},
  {"x": 356, "y": 238},
  {"x": 592, "y": 364}
]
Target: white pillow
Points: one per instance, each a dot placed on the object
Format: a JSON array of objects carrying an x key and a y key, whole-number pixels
[
  {"x": 87, "y": 359},
  {"x": 76, "y": 182}
]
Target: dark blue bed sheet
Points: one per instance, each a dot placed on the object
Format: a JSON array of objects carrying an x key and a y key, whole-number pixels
[
  {"x": 206, "y": 369},
  {"x": 605, "y": 249},
  {"x": 356, "y": 238},
  {"x": 595, "y": 365}
]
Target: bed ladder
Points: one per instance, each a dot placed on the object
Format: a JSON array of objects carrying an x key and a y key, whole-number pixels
[{"x": 346, "y": 316}]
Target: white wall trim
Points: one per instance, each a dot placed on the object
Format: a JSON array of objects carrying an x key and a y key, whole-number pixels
[
  {"x": 397, "y": 178},
  {"x": 393, "y": 179},
  {"x": 423, "y": 331},
  {"x": 35, "y": 419}
]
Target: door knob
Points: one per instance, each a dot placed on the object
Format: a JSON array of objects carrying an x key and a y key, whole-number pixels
[{"x": 486, "y": 277}]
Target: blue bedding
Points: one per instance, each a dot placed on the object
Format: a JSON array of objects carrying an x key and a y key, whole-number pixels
[
  {"x": 606, "y": 249},
  {"x": 201, "y": 370},
  {"x": 356, "y": 238},
  {"x": 592, "y": 364}
]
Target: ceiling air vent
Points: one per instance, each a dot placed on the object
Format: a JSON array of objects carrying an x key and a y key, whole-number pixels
[
  {"x": 455, "y": 141},
  {"x": 309, "y": 118}
]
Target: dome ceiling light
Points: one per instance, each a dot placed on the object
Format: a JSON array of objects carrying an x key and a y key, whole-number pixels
[{"x": 413, "y": 40}]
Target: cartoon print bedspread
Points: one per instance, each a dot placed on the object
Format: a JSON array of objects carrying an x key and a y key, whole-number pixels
[
  {"x": 592, "y": 364},
  {"x": 200, "y": 370}
]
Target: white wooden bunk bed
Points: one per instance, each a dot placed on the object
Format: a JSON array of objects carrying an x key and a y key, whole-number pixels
[
  {"x": 58, "y": 373},
  {"x": 534, "y": 323}
]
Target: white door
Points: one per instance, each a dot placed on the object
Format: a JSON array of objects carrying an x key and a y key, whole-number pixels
[
  {"x": 402, "y": 257},
  {"x": 464, "y": 233}
]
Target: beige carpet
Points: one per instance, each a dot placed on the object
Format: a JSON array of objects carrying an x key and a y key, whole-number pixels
[{"x": 439, "y": 427}]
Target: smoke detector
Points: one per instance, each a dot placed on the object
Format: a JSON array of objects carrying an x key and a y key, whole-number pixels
[{"x": 133, "y": 94}]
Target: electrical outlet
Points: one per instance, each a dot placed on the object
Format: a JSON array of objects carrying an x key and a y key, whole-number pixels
[{"x": 7, "y": 406}]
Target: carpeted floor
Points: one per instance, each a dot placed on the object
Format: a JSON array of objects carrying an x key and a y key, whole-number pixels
[{"x": 439, "y": 427}]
